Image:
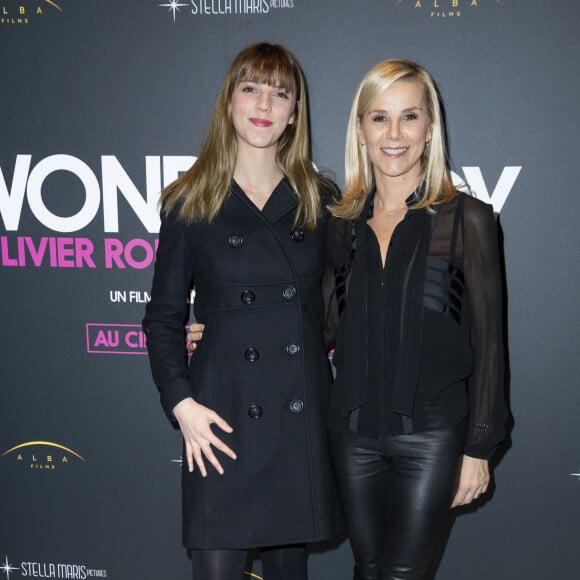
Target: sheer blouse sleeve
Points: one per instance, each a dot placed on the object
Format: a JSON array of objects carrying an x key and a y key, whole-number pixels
[
  {"x": 167, "y": 314},
  {"x": 481, "y": 266}
]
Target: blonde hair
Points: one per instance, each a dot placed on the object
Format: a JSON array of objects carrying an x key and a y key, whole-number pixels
[
  {"x": 200, "y": 192},
  {"x": 437, "y": 186}
]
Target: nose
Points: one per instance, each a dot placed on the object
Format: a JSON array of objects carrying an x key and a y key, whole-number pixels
[
  {"x": 394, "y": 131},
  {"x": 264, "y": 103}
]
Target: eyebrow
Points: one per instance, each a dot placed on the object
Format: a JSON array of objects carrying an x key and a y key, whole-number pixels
[
  {"x": 277, "y": 87},
  {"x": 407, "y": 110}
]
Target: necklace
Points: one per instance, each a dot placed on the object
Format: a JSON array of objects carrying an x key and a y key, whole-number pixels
[{"x": 396, "y": 210}]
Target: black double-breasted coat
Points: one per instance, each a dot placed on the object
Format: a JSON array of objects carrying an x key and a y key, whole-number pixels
[{"x": 261, "y": 365}]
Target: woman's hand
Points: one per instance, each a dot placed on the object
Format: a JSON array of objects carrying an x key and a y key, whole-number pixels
[
  {"x": 194, "y": 335},
  {"x": 195, "y": 423},
  {"x": 473, "y": 480}
]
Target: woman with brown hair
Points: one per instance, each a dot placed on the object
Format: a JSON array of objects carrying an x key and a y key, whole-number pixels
[{"x": 245, "y": 228}]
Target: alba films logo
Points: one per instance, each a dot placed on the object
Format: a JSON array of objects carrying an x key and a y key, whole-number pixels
[
  {"x": 26, "y": 11},
  {"x": 445, "y": 9},
  {"x": 43, "y": 455}
]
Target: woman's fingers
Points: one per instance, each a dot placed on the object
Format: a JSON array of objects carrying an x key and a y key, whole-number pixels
[
  {"x": 473, "y": 480},
  {"x": 189, "y": 456},
  {"x": 203, "y": 448},
  {"x": 194, "y": 335},
  {"x": 195, "y": 422},
  {"x": 199, "y": 460},
  {"x": 210, "y": 439},
  {"x": 458, "y": 499},
  {"x": 210, "y": 455},
  {"x": 216, "y": 441},
  {"x": 219, "y": 444}
]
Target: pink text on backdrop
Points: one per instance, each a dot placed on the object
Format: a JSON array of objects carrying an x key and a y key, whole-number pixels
[
  {"x": 69, "y": 252},
  {"x": 115, "y": 338}
]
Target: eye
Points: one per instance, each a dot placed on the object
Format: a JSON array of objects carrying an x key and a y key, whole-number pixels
[
  {"x": 282, "y": 95},
  {"x": 248, "y": 89},
  {"x": 378, "y": 118},
  {"x": 411, "y": 117}
]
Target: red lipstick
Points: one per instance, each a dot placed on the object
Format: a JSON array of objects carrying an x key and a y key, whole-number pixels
[{"x": 260, "y": 122}]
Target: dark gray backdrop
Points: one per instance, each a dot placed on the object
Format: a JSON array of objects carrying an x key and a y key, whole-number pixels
[{"x": 101, "y": 102}]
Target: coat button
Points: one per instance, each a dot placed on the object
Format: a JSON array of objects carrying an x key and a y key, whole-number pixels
[
  {"x": 297, "y": 234},
  {"x": 248, "y": 297},
  {"x": 252, "y": 354},
  {"x": 255, "y": 411},
  {"x": 292, "y": 348},
  {"x": 235, "y": 240},
  {"x": 296, "y": 406},
  {"x": 289, "y": 293}
]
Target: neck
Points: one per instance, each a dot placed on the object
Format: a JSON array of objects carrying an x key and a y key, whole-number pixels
[
  {"x": 257, "y": 165},
  {"x": 392, "y": 193},
  {"x": 391, "y": 202},
  {"x": 258, "y": 175}
]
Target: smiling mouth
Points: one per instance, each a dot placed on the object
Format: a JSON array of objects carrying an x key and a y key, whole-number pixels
[
  {"x": 394, "y": 151},
  {"x": 260, "y": 122}
]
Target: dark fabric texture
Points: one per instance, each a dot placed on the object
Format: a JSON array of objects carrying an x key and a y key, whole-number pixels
[
  {"x": 434, "y": 331},
  {"x": 396, "y": 491},
  {"x": 286, "y": 563},
  {"x": 261, "y": 365},
  {"x": 218, "y": 564}
]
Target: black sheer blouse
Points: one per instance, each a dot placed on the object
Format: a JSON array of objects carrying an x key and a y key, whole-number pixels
[{"x": 420, "y": 342}]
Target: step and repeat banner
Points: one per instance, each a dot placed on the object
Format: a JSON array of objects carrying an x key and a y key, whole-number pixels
[{"x": 104, "y": 102}]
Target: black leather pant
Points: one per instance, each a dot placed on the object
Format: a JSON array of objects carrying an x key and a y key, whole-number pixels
[
  {"x": 278, "y": 563},
  {"x": 396, "y": 493}
]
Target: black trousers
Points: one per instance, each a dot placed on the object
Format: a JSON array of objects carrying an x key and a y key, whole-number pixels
[
  {"x": 278, "y": 563},
  {"x": 396, "y": 493}
]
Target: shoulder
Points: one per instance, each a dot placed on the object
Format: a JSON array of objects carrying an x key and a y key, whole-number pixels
[
  {"x": 171, "y": 218},
  {"x": 475, "y": 217},
  {"x": 474, "y": 208},
  {"x": 169, "y": 215},
  {"x": 479, "y": 221},
  {"x": 476, "y": 213},
  {"x": 329, "y": 191},
  {"x": 338, "y": 241}
]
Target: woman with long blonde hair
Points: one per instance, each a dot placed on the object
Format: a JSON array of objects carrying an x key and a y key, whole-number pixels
[{"x": 417, "y": 407}]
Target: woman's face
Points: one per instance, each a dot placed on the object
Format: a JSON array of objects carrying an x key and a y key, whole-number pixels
[
  {"x": 260, "y": 114},
  {"x": 395, "y": 131}
]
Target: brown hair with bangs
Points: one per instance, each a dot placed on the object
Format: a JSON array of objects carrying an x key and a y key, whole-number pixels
[{"x": 201, "y": 191}]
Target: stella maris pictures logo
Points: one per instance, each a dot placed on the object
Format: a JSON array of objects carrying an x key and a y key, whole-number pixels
[
  {"x": 223, "y": 7},
  {"x": 24, "y": 11},
  {"x": 174, "y": 6},
  {"x": 43, "y": 455},
  {"x": 7, "y": 567},
  {"x": 50, "y": 570},
  {"x": 446, "y": 8}
]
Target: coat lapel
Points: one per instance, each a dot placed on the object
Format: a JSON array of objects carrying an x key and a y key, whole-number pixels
[{"x": 282, "y": 201}]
